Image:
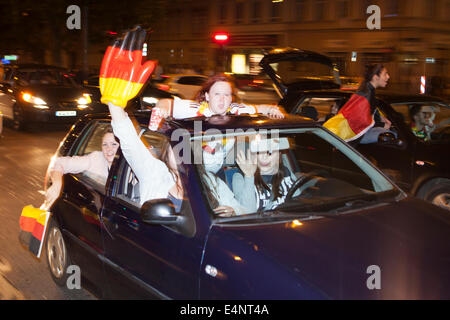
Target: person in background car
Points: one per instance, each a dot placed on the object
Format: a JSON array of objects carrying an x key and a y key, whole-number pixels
[
  {"x": 359, "y": 119},
  {"x": 422, "y": 118},
  {"x": 95, "y": 164}
]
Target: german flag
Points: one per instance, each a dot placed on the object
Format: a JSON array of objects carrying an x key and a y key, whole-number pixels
[
  {"x": 122, "y": 74},
  {"x": 353, "y": 120},
  {"x": 33, "y": 225}
]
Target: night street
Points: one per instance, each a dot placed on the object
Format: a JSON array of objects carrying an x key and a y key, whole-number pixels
[
  {"x": 24, "y": 159},
  {"x": 224, "y": 150}
]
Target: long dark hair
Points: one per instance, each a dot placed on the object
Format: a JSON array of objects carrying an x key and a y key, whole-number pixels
[
  {"x": 214, "y": 203},
  {"x": 201, "y": 94},
  {"x": 369, "y": 73},
  {"x": 164, "y": 157},
  {"x": 277, "y": 178},
  {"x": 109, "y": 129}
]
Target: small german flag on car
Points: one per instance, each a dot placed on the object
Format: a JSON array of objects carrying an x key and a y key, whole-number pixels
[
  {"x": 122, "y": 74},
  {"x": 33, "y": 225}
]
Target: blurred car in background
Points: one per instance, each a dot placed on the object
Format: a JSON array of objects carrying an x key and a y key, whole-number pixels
[
  {"x": 254, "y": 89},
  {"x": 144, "y": 102},
  {"x": 185, "y": 86},
  {"x": 33, "y": 93},
  {"x": 420, "y": 166},
  {"x": 350, "y": 83}
]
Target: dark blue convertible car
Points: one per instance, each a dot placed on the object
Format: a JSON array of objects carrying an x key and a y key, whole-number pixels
[{"x": 343, "y": 231}]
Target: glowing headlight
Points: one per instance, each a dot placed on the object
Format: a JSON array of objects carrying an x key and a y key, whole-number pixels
[
  {"x": 150, "y": 100},
  {"x": 37, "y": 102},
  {"x": 85, "y": 99}
]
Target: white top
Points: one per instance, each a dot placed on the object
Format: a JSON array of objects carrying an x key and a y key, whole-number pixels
[
  {"x": 93, "y": 165},
  {"x": 183, "y": 109},
  {"x": 154, "y": 177}
]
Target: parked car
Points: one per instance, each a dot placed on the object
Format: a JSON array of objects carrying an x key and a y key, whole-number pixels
[
  {"x": 185, "y": 86},
  {"x": 418, "y": 166},
  {"x": 341, "y": 217},
  {"x": 32, "y": 93},
  {"x": 144, "y": 102}
]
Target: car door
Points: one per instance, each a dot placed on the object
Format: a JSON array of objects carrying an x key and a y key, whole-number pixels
[
  {"x": 147, "y": 260},
  {"x": 395, "y": 161},
  {"x": 78, "y": 210}
]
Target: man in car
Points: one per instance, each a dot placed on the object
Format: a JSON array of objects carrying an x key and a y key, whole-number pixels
[{"x": 422, "y": 121}]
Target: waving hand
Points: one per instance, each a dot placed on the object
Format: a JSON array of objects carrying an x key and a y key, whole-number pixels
[{"x": 122, "y": 74}]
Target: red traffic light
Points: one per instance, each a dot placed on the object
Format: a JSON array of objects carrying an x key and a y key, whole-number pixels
[{"x": 221, "y": 37}]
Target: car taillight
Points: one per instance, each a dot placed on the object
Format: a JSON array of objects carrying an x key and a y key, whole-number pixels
[{"x": 164, "y": 87}]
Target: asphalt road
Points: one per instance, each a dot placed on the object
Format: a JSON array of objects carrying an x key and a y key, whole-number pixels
[{"x": 24, "y": 158}]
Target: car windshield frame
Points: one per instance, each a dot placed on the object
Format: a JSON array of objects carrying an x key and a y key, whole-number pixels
[{"x": 383, "y": 185}]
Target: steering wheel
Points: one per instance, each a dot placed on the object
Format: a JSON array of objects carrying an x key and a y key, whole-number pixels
[
  {"x": 304, "y": 179},
  {"x": 439, "y": 133}
]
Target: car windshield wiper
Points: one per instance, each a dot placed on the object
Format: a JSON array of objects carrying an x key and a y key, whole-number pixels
[
  {"x": 319, "y": 208},
  {"x": 332, "y": 208}
]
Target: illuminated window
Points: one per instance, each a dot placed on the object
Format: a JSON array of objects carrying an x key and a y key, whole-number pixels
[{"x": 238, "y": 64}]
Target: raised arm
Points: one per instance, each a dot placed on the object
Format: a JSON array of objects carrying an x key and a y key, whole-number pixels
[{"x": 271, "y": 111}]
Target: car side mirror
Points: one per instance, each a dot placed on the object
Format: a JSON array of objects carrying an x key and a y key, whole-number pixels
[
  {"x": 160, "y": 211},
  {"x": 389, "y": 139}
]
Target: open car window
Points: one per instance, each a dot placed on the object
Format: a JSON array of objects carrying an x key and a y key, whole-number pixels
[
  {"x": 314, "y": 171},
  {"x": 319, "y": 108},
  {"x": 428, "y": 121},
  {"x": 91, "y": 141}
]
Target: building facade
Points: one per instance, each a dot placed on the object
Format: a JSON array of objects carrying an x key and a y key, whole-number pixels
[{"x": 413, "y": 39}]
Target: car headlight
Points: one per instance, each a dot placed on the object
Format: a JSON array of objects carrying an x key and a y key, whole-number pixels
[
  {"x": 37, "y": 102},
  {"x": 150, "y": 100},
  {"x": 84, "y": 100}
]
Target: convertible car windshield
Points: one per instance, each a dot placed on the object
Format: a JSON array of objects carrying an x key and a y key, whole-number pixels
[{"x": 293, "y": 170}]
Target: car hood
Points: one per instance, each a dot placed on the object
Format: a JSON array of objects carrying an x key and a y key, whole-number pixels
[
  {"x": 53, "y": 94},
  {"x": 293, "y": 69},
  {"x": 408, "y": 241}
]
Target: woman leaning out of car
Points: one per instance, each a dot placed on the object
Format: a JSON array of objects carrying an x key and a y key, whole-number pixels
[
  {"x": 214, "y": 98},
  {"x": 95, "y": 164}
]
